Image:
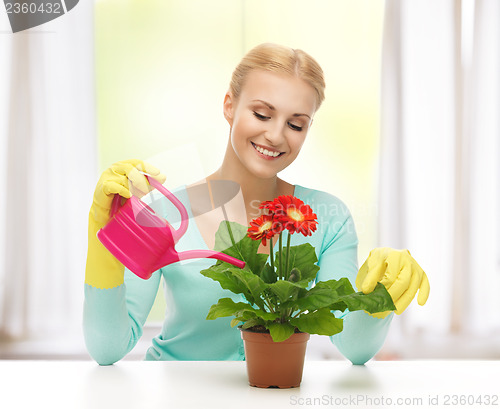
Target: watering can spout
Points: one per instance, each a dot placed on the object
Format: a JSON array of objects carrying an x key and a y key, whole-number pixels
[{"x": 172, "y": 256}]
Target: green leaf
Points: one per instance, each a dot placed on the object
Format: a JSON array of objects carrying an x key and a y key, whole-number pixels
[
  {"x": 378, "y": 300},
  {"x": 302, "y": 257},
  {"x": 237, "y": 281},
  {"x": 254, "y": 285},
  {"x": 220, "y": 272},
  {"x": 324, "y": 294},
  {"x": 226, "y": 307},
  {"x": 284, "y": 289},
  {"x": 268, "y": 275},
  {"x": 321, "y": 322},
  {"x": 244, "y": 247},
  {"x": 252, "y": 323},
  {"x": 342, "y": 286},
  {"x": 267, "y": 316},
  {"x": 280, "y": 332},
  {"x": 246, "y": 315},
  {"x": 223, "y": 237}
]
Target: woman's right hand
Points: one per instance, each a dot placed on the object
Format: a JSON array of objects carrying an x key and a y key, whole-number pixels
[{"x": 124, "y": 178}]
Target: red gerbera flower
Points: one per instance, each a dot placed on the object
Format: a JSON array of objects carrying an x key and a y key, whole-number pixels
[
  {"x": 294, "y": 215},
  {"x": 261, "y": 228},
  {"x": 267, "y": 205}
]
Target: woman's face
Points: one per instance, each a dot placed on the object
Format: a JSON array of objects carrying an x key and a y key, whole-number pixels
[{"x": 269, "y": 121}]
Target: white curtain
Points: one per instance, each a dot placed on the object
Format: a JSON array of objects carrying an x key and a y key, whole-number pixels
[
  {"x": 440, "y": 159},
  {"x": 483, "y": 132},
  {"x": 48, "y": 169}
]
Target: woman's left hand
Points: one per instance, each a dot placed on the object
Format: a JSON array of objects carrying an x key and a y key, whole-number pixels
[{"x": 399, "y": 272}]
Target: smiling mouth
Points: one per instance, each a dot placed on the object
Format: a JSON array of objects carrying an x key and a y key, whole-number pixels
[{"x": 266, "y": 152}]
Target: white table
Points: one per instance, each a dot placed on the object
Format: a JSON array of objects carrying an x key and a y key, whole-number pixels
[{"x": 176, "y": 385}]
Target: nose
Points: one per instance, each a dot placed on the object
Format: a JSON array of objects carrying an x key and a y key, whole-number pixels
[{"x": 275, "y": 134}]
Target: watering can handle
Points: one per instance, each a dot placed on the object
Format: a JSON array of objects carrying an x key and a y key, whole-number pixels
[
  {"x": 115, "y": 205},
  {"x": 177, "y": 203}
]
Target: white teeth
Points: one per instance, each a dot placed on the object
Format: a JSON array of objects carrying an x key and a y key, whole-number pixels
[{"x": 266, "y": 152}]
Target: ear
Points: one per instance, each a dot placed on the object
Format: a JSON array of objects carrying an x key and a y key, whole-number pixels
[{"x": 228, "y": 107}]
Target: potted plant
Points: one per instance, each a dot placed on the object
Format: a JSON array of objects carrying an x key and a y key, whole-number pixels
[{"x": 280, "y": 306}]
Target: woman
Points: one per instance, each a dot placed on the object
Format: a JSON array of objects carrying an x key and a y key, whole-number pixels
[{"x": 273, "y": 96}]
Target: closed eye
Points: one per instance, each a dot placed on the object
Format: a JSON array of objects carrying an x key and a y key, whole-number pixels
[
  {"x": 294, "y": 127},
  {"x": 261, "y": 117}
]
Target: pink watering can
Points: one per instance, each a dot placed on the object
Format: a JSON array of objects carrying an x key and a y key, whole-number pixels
[{"x": 144, "y": 242}]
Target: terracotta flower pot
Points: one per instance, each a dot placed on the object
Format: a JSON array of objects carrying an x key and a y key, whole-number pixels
[{"x": 274, "y": 364}]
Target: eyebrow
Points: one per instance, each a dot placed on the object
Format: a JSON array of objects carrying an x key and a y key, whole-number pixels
[{"x": 272, "y": 108}]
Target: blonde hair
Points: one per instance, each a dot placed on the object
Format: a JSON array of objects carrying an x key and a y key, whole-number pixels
[{"x": 279, "y": 59}]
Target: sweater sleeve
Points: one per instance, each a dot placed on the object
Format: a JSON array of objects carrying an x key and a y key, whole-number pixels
[
  {"x": 363, "y": 335},
  {"x": 113, "y": 318}
]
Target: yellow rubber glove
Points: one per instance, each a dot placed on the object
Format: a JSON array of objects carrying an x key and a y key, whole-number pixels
[
  {"x": 103, "y": 270},
  {"x": 399, "y": 272}
]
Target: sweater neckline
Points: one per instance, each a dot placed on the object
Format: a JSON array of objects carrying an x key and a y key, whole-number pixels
[{"x": 193, "y": 226}]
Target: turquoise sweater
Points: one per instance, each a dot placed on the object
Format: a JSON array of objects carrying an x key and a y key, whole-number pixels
[{"x": 113, "y": 318}]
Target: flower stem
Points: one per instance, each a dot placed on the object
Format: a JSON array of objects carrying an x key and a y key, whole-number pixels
[
  {"x": 230, "y": 232},
  {"x": 287, "y": 255},
  {"x": 283, "y": 318},
  {"x": 280, "y": 267},
  {"x": 271, "y": 253},
  {"x": 269, "y": 304}
]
